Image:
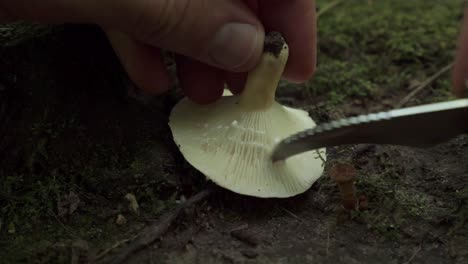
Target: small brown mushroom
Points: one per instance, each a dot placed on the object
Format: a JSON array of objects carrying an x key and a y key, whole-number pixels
[{"x": 344, "y": 175}]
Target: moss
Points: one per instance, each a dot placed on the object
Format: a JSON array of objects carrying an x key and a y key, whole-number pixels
[
  {"x": 369, "y": 47},
  {"x": 341, "y": 79},
  {"x": 29, "y": 202},
  {"x": 99, "y": 172},
  {"x": 12, "y": 34}
]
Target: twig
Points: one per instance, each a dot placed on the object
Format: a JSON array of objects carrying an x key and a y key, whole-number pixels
[
  {"x": 328, "y": 7},
  {"x": 424, "y": 85},
  {"x": 67, "y": 229},
  {"x": 321, "y": 157},
  {"x": 413, "y": 256},
  {"x": 153, "y": 232},
  {"x": 241, "y": 227},
  {"x": 292, "y": 214},
  {"x": 328, "y": 241},
  {"x": 114, "y": 246}
]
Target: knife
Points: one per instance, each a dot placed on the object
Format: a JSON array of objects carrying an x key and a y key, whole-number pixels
[{"x": 420, "y": 126}]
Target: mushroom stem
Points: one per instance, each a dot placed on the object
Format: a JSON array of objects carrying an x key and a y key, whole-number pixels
[
  {"x": 262, "y": 81},
  {"x": 344, "y": 175}
]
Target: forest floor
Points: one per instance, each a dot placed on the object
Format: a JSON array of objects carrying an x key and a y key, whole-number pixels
[{"x": 76, "y": 141}]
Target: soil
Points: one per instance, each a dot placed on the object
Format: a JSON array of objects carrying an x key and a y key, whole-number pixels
[
  {"x": 77, "y": 137},
  {"x": 274, "y": 43}
]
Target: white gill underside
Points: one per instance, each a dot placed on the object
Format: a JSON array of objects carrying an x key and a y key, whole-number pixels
[{"x": 232, "y": 147}]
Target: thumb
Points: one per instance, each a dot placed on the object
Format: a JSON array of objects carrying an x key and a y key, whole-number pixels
[{"x": 221, "y": 33}]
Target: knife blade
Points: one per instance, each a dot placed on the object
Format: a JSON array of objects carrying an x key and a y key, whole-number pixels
[{"x": 418, "y": 126}]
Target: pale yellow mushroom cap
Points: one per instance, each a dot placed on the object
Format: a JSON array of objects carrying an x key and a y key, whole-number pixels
[{"x": 232, "y": 145}]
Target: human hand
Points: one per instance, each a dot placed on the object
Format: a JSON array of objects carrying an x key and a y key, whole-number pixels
[
  {"x": 216, "y": 41},
  {"x": 460, "y": 71}
]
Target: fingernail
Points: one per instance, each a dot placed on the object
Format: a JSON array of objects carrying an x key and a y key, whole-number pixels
[{"x": 235, "y": 44}]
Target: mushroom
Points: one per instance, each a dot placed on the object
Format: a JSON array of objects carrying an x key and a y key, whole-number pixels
[
  {"x": 231, "y": 140},
  {"x": 344, "y": 175},
  {"x": 227, "y": 92}
]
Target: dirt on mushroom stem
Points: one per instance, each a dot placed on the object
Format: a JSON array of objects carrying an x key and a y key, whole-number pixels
[{"x": 274, "y": 43}]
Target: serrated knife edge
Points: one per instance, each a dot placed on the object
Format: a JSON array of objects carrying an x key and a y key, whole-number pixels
[{"x": 345, "y": 131}]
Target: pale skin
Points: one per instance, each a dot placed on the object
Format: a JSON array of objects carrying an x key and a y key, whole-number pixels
[{"x": 196, "y": 30}]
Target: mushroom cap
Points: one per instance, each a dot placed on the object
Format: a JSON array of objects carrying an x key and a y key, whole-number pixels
[
  {"x": 227, "y": 92},
  {"x": 232, "y": 147}
]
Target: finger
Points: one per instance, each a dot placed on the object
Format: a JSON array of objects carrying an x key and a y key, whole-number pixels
[
  {"x": 221, "y": 33},
  {"x": 296, "y": 20},
  {"x": 269, "y": 14},
  {"x": 253, "y": 5},
  {"x": 460, "y": 71},
  {"x": 236, "y": 82},
  {"x": 202, "y": 83},
  {"x": 143, "y": 64}
]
